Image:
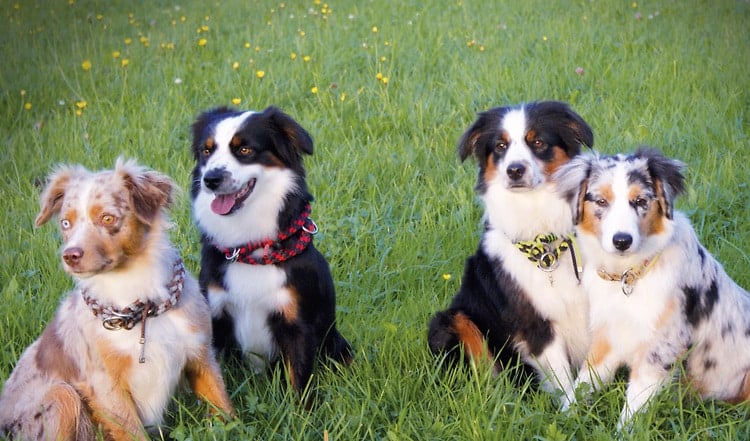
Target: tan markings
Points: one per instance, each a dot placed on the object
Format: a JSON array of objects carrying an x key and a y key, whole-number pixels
[
  {"x": 235, "y": 142},
  {"x": 589, "y": 222},
  {"x": 559, "y": 157},
  {"x": 51, "y": 356},
  {"x": 469, "y": 335},
  {"x": 743, "y": 394},
  {"x": 581, "y": 200},
  {"x": 290, "y": 374},
  {"x": 290, "y": 311},
  {"x": 666, "y": 315},
  {"x": 66, "y": 413},
  {"x": 491, "y": 168},
  {"x": 205, "y": 379},
  {"x": 210, "y": 143},
  {"x": 653, "y": 222},
  {"x": 600, "y": 347},
  {"x": 131, "y": 236},
  {"x": 607, "y": 192},
  {"x": 114, "y": 409},
  {"x": 530, "y": 135}
]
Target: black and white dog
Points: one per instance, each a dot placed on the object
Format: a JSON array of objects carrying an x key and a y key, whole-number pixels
[
  {"x": 657, "y": 296},
  {"x": 270, "y": 291},
  {"x": 520, "y": 294}
]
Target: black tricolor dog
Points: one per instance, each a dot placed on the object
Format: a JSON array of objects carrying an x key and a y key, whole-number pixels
[
  {"x": 270, "y": 290},
  {"x": 520, "y": 294}
]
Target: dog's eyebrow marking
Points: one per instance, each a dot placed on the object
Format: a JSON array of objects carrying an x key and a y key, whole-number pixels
[
  {"x": 639, "y": 177},
  {"x": 236, "y": 141}
]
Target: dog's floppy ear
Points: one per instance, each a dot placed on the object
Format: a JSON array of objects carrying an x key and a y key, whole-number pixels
[
  {"x": 151, "y": 191},
  {"x": 293, "y": 133},
  {"x": 571, "y": 181},
  {"x": 476, "y": 136},
  {"x": 667, "y": 175},
  {"x": 52, "y": 196}
]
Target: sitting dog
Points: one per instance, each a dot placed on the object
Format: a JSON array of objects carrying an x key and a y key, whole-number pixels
[
  {"x": 134, "y": 324},
  {"x": 657, "y": 297},
  {"x": 520, "y": 294},
  {"x": 270, "y": 290}
]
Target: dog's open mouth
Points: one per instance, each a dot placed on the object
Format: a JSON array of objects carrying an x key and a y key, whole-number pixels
[{"x": 224, "y": 204}]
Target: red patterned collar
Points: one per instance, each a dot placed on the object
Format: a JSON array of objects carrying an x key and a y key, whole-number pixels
[{"x": 301, "y": 230}]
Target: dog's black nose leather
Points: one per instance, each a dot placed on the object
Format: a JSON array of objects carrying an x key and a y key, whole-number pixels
[
  {"x": 622, "y": 241},
  {"x": 213, "y": 179},
  {"x": 516, "y": 171}
]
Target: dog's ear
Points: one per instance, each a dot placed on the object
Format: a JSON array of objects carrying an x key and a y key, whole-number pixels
[
  {"x": 150, "y": 191},
  {"x": 667, "y": 175},
  {"x": 293, "y": 134},
  {"x": 52, "y": 196},
  {"x": 571, "y": 181},
  {"x": 558, "y": 117},
  {"x": 473, "y": 141}
]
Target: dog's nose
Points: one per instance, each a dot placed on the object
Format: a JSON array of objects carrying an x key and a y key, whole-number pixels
[
  {"x": 516, "y": 170},
  {"x": 72, "y": 255},
  {"x": 622, "y": 241},
  {"x": 213, "y": 178}
]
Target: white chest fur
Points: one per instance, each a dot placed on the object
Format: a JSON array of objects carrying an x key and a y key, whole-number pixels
[{"x": 253, "y": 293}]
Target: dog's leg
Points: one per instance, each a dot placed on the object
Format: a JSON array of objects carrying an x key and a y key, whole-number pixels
[
  {"x": 204, "y": 375},
  {"x": 599, "y": 369},
  {"x": 553, "y": 367},
  {"x": 298, "y": 349},
  {"x": 646, "y": 379},
  {"x": 114, "y": 412}
]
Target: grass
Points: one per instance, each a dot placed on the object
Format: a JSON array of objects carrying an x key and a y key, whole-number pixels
[{"x": 386, "y": 92}]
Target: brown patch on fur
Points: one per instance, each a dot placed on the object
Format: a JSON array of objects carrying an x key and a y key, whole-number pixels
[
  {"x": 559, "y": 157},
  {"x": 743, "y": 395},
  {"x": 210, "y": 143},
  {"x": 666, "y": 314},
  {"x": 66, "y": 414},
  {"x": 204, "y": 376},
  {"x": 471, "y": 337},
  {"x": 491, "y": 168},
  {"x": 600, "y": 347},
  {"x": 588, "y": 222},
  {"x": 653, "y": 222},
  {"x": 235, "y": 142},
  {"x": 52, "y": 357},
  {"x": 290, "y": 311}
]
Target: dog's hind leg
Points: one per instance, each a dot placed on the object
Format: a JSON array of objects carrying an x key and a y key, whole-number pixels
[
  {"x": 204, "y": 375},
  {"x": 646, "y": 380}
]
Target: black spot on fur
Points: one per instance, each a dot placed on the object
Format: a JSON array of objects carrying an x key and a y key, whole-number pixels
[
  {"x": 709, "y": 364},
  {"x": 699, "y": 304},
  {"x": 726, "y": 330}
]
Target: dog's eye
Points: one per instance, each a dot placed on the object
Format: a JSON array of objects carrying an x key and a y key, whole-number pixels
[
  {"x": 65, "y": 224},
  {"x": 640, "y": 202},
  {"x": 206, "y": 151},
  {"x": 601, "y": 202},
  {"x": 501, "y": 145},
  {"x": 244, "y": 151},
  {"x": 107, "y": 219},
  {"x": 538, "y": 144}
]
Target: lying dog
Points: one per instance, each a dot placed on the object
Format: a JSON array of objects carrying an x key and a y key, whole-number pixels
[
  {"x": 134, "y": 324},
  {"x": 657, "y": 296},
  {"x": 270, "y": 290},
  {"x": 520, "y": 294}
]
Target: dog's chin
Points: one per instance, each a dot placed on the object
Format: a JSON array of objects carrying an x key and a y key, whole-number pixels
[
  {"x": 228, "y": 203},
  {"x": 88, "y": 271}
]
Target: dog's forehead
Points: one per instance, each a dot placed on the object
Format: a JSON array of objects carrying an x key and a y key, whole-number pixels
[
  {"x": 104, "y": 189},
  {"x": 622, "y": 170},
  {"x": 226, "y": 128},
  {"x": 513, "y": 124}
]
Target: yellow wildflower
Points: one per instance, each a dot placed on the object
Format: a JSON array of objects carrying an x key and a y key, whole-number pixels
[
  {"x": 236, "y": 101},
  {"x": 116, "y": 54},
  {"x": 128, "y": 40},
  {"x": 293, "y": 56},
  {"x": 235, "y": 65},
  {"x": 27, "y": 106},
  {"x": 202, "y": 42},
  {"x": 314, "y": 90},
  {"x": 260, "y": 74},
  {"x": 124, "y": 62},
  {"x": 86, "y": 65}
]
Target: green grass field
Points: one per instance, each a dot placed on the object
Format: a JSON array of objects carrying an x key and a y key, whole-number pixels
[{"x": 386, "y": 88}]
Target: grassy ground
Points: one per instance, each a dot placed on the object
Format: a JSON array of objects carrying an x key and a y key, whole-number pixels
[{"x": 386, "y": 89}]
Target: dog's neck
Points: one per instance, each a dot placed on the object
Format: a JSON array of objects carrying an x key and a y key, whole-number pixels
[{"x": 522, "y": 216}]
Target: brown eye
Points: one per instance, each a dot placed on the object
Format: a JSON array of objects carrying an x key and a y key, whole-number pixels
[
  {"x": 641, "y": 203},
  {"x": 244, "y": 151},
  {"x": 107, "y": 219},
  {"x": 537, "y": 144},
  {"x": 601, "y": 202},
  {"x": 501, "y": 146},
  {"x": 206, "y": 151}
]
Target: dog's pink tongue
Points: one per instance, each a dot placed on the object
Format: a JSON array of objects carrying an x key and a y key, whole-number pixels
[{"x": 223, "y": 203}]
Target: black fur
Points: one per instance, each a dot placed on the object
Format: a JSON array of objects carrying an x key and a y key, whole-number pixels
[{"x": 276, "y": 141}]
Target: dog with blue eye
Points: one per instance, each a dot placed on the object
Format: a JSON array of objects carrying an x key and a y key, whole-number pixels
[{"x": 658, "y": 299}]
